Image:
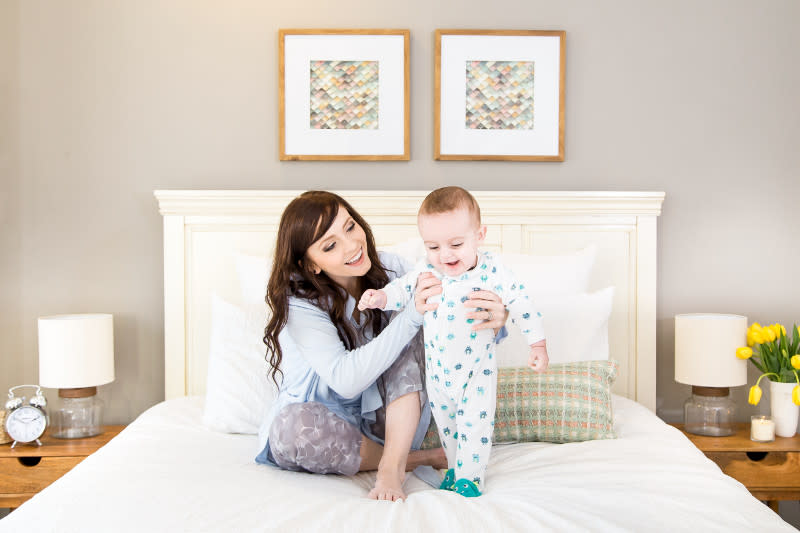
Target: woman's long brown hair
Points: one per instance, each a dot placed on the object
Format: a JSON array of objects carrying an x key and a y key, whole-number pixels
[{"x": 304, "y": 221}]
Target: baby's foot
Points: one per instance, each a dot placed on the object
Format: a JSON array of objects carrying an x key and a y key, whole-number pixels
[
  {"x": 388, "y": 485},
  {"x": 467, "y": 488},
  {"x": 449, "y": 481}
]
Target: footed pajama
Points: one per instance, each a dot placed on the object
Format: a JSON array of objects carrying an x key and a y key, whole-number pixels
[{"x": 460, "y": 364}]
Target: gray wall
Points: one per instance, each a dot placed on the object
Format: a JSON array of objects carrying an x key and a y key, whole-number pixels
[
  {"x": 103, "y": 101},
  {"x": 11, "y": 347}
]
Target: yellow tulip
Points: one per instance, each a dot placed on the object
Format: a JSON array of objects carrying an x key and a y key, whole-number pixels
[
  {"x": 755, "y": 326},
  {"x": 750, "y": 340},
  {"x": 769, "y": 334},
  {"x": 777, "y": 329},
  {"x": 758, "y": 337},
  {"x": 796, "y": 395},
  {"x": 795, "y": 360},
  {"x": 746, "y": 353},
  {"x": 755, "y": 395}
]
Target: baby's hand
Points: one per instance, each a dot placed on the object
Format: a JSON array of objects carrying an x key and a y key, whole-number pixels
[
  {"x": 538, "y": 358},
  {"x": 372, "y": 299}
]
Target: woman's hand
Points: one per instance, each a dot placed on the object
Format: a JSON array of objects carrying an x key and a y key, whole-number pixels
[
  {"x": 427, "y": 286},
  {"x": 492, "y": 311}
]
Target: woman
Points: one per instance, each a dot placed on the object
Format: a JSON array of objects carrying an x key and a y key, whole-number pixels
[{"x": 351, "y": 393}]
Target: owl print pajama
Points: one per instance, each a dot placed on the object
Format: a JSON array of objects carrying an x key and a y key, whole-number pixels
[{"x": 460, "y": 364}]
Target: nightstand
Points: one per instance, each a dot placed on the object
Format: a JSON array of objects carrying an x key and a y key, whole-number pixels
[
  {"x": 26, "y": 469},
  {"x": 768, "y": 469}
]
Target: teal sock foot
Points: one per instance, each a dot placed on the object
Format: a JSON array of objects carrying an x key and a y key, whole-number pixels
[
  {"x": 467, "y": 488},
  {"x": 449, "y": 480}
]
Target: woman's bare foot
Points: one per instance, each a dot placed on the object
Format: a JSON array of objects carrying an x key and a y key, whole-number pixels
[{"x": 389, "y": 485}]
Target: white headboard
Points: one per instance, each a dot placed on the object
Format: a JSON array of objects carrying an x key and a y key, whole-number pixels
[{"x": 204, "y": 230}]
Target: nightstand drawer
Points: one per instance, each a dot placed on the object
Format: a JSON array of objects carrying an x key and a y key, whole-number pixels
[
  {"x": 16, "y": 477},
  {"x": 760, "y": 469}
]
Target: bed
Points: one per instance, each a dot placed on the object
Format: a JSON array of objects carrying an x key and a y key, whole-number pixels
[{"x": 175, "y": 468}]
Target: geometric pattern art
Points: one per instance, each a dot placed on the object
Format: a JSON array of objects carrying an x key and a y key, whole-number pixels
[
  {"x": 499, "y": 95},
  {"x": 344, "y": 95}
]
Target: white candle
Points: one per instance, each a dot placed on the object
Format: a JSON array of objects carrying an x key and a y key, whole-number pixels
[{"x": 762, "y": 429}]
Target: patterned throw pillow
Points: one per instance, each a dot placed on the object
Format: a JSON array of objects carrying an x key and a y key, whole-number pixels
[{"x": 570, "y": 402}]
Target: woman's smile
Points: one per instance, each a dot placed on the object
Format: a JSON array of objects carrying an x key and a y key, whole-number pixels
[{"x": 357, "y": 259}]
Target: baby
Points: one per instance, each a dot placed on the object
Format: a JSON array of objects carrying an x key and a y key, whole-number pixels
[{"x": 460, "y": 363}]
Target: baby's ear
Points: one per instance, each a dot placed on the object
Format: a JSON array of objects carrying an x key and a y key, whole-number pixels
[{"x": 481, "y": 233}]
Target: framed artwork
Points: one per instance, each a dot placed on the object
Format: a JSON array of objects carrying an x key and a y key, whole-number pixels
[
  {"x": 499, "y": 95},
  {"x": 344, "y": 95}
]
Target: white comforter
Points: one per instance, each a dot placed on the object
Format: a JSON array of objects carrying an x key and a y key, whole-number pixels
[{"x": 166, "y": 472}]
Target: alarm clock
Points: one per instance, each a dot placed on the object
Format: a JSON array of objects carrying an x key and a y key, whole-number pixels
[{"x": 26, "y": 422}]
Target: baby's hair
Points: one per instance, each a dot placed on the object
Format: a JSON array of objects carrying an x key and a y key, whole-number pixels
[{"x": 449, "y": 199}]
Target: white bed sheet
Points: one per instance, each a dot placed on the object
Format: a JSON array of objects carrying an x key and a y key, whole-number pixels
[{"x": 166, "y": 472}]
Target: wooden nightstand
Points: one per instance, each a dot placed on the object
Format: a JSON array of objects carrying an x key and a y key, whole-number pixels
[
  {"x": 25, "y": 469},
  {"x": 768, "y": 469}
]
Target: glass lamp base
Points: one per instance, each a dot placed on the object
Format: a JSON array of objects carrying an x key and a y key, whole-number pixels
[
  {"x": 709, "y": 411},
  {"x": 710, "y": 431},
  {"x": 77, "y": 418}
]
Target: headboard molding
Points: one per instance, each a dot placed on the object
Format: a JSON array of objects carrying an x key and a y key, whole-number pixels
[
  {"x": 497, "y": 203},
  {"x": 203, "y": 228}
]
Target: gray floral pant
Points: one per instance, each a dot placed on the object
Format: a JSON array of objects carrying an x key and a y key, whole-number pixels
[{"x": 308, "y": 437}]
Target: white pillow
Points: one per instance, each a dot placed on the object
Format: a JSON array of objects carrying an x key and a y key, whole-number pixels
[
  {"x": 545, "y": 275},
  {"x": 238, "y": 392},
  {"x": 575, "y": 325}
]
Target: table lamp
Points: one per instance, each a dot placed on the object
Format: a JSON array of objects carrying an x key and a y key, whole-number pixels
[
  {"x": 76, "y": 354},
  {"x": 705, "y": 358}
]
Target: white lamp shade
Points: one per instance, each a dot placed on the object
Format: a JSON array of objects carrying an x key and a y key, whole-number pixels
[
  {"x": 705, "y": 350},
  {"x": 76, "y": 351}
]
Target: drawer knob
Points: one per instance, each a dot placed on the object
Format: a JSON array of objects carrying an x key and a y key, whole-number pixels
[
  {"x": 756, "y": 456},
  {"x": 29, "y": 461}
]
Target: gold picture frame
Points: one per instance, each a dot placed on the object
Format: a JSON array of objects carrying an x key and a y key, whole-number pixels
[
  {"x": 499, "y": 95},
  {"x": 344, "y": 94}
]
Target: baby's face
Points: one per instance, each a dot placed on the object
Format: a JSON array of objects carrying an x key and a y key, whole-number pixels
[{"x": 451, "y": 240}]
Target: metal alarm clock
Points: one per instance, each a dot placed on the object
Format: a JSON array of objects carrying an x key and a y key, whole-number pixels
[{"x": 26, "y": 422}]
